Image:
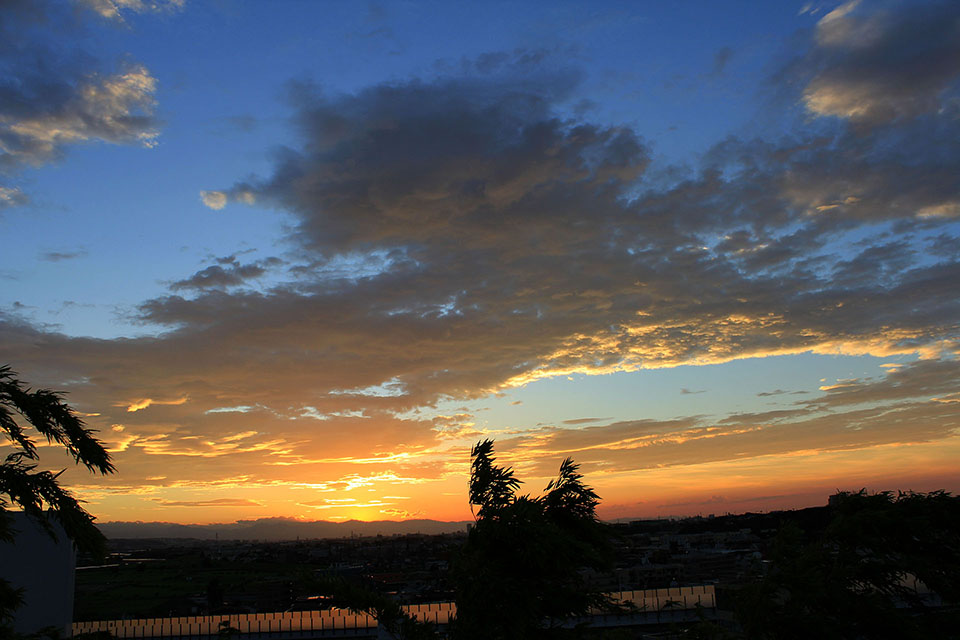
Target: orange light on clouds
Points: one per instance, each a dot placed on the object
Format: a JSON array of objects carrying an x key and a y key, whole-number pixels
[
  {"x": 139, "y": 405},
  {"x": 773, "y": 482}
]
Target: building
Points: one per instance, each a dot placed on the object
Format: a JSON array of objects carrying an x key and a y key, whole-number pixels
[{"x": 42, "y": 564}]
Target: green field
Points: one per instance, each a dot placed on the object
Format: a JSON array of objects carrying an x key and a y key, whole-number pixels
[{"x": 188, "y": 584}]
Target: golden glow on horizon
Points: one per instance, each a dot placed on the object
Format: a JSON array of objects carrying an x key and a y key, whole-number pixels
[
  {"x": 644, "y": 468},
  {"x": 792, "y": 456},
  {"x": 795, "y": 479}
]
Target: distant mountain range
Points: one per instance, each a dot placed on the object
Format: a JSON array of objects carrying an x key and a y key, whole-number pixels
[{"x": 275, "y": 529}]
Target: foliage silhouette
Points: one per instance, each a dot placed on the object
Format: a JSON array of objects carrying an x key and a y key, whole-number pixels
[
  {"x": 520, "y": 573},
  {"x": 226, "y": 631},
  {"x": 387, "y": 612},
  {"x": 21, "y": 485},
  {"x": 853, "y": 576}
]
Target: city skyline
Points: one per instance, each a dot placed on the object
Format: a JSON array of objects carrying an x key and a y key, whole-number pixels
[{"x": 293, "y": 260}]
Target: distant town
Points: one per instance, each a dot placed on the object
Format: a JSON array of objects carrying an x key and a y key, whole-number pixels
[{"x": 180, "y": 576}]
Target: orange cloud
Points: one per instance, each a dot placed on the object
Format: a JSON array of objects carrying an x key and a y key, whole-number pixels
[
  {"x": 138, "y": 405},
  {"x": 218, "y": 502}
]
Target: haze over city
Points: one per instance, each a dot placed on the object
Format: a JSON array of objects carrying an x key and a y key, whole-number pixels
[{"x": 293, "y": 259}]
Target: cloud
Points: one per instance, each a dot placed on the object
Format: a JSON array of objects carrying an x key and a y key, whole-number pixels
[
  {"x": 720, "y": 60},
  {"x": 225, "y": 274},
  {"x": 347, "y": 502},
  {"x": 53, "y": 95},
  {"x": 779, "y": 392},
  {"x": 498, "y": 245},
  {"x": 59, "y": 256},
  {"x": 923, "y": 379},
  {"x": 878, "y": 62},
  {"x": 403, "y": 514},
  {"x": 632, "y": 446},
  {"x": 455, "y": 159},
  {"x": 114, "y": 9},
  {"x": 218, "y": 502},
  {"x": 139, "y": 405},
  {"x": 244, "y": 123},
  {"x": 215, "y": 200},
  {"x": 12, "y": 197},
  {"x": 116, "y": 108}
]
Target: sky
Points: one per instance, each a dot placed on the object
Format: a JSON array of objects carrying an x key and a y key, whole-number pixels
[{"x": 292, "y": 259}]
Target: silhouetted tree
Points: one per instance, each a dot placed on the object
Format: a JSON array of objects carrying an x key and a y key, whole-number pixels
[
  {"x": 214, "y": 595},
  {"x": 520, "y": 573},
  {"x": 855, "y": 575},
  {"x": 390, "y": 616},
  {"x": 225, "y": 631},
  {"x": 32, "y": 491}
]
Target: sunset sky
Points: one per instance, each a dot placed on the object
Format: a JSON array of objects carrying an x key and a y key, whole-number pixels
[{"x": 292, "y": 259}]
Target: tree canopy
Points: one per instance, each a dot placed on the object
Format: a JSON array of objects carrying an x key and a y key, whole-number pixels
[
  {"x": 875, "y": 566},
  {"x": 520, "y": 574},
  {"x": 38, "y": 492}
]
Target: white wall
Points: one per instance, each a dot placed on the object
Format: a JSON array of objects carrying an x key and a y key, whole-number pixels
[{"x": 44, "y": 568}]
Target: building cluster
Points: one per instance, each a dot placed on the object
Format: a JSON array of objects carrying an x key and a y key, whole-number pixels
[{"x": 203, "y": 577}]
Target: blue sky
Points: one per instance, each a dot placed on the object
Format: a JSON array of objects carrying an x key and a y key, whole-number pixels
[
  {"x": 657, "y": 237},
  {"x": 224, "y": 75}
]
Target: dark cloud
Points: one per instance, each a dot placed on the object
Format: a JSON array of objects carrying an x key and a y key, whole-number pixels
[
  {"x": 879, "y": 62},
  {"x": 720, "y": 60},
  {"x": 59, "y": 256},
  {"x": 492, "y": 241},
  {"x": 245, "y": 123},
  {"x": 883, "y": 263},
  {"x": 922, "y": 379},
  {"x": 227, "y": 273},
  {"x": 944, "y": 246},
  {"x": 53, "y": 95},
  {"x": 779, "y": 392},
  {"x": 765, "y": 417},
  {"x": 448, "y": 163},
  {"x": 495, "y": 210},
  {"x": 217, "y": 277}
]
